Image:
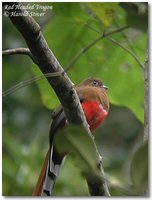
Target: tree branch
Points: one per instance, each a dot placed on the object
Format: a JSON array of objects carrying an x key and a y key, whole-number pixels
[
  {"x": 18, "y": 51},
  {"x": 15, "y": 51},
  {"x": 47, "y": 63}
]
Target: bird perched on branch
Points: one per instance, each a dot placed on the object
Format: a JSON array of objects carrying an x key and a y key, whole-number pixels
[{"x": 95, "y": 104}]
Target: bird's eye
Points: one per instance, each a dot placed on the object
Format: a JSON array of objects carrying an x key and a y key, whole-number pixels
[{"x": 95, "y": 83}]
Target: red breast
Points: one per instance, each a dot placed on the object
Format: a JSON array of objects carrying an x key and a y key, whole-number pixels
[
  {"x": 94, "y": 100},
  {"x": 95, "y": 114}
]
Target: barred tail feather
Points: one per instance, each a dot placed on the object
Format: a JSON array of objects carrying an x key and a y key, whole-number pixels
[
  {"x": 55, "y": 162},
  {"x": 38, "y": 188},
  {"x": 49, "y": 172}
]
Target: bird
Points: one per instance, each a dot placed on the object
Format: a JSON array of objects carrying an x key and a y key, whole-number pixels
[{"x": 94, "y": 100}]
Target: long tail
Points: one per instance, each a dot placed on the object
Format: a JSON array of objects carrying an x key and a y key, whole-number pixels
[{"x": 49, "y": 172}]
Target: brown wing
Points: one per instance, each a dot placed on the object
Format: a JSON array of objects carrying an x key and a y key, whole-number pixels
[
  {"x": 95, "y": 94},
  {"x": 58, "y": 122}
]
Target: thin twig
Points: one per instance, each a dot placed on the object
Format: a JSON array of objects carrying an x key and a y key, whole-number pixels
[
  {"x": 128, "y": 50},
  {"x": 125, "y": 37},
  {"x": 18, "y": 51},
  {"x": 15, "y": 51},
  {"x": 28, "y": 82},
  {"x": 119, "y": 44},
  {"x": 83, "y": 50}
]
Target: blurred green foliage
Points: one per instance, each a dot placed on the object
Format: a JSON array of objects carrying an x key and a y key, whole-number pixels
[
  {"x": 104, "y": 11},
  {"x": 27, "y": 112},
  {"x": 139, "y": 168}
]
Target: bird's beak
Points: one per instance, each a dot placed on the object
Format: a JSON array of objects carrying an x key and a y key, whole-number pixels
[{"x": 105, "y": 87}]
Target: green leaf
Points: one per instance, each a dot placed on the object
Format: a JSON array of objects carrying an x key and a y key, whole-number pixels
[
  {"x": 139, "y": 168},
  {"x": 104, "y": 60},
  {"x": 75, "y": 140},
  {"x": 69, "y": 181},
  {"x": 71, "y": 11},
  {"x": 104, "y": 11},
  {"x": 48, "y": 96}
]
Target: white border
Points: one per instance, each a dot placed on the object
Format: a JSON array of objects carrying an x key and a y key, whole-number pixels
[
  {"x": 75, "y": 1},
  {"x": 150, "y": 90}
]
